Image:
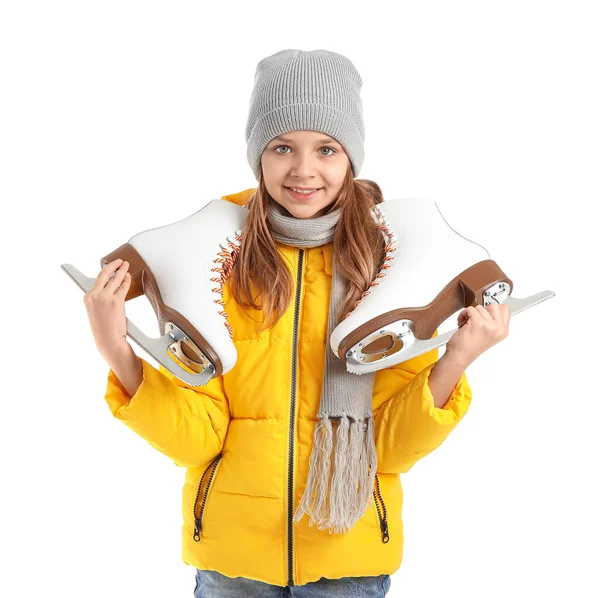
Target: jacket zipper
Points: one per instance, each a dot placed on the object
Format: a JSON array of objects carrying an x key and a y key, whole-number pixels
[
  {"x": 383, "y": 524},
  {"x": 292, "y": 426},
  {"x": 198, "y": 519}
]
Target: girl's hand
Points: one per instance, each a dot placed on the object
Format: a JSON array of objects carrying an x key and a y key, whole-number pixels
[
  {"x": 105, "y": 304},
  {"x": 479, "y": 329}
]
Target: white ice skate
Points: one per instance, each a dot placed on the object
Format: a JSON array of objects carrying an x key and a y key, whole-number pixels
[
  {"x": 181, "y": 268},
  {"x": 430, "y": 271}
]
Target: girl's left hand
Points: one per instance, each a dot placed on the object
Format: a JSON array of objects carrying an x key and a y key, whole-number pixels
[{"x": 479, "y": 329}]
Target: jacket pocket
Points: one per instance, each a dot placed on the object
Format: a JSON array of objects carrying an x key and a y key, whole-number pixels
[
  {"x": 202, "y": 496},
  {"x": 383, "y": 523}
]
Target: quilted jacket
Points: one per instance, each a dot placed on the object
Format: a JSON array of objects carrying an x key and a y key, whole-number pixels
[{"x": 245, "y": 440}]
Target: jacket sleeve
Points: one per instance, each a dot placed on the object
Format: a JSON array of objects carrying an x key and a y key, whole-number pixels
[
  {"x": 407, "y": 424},
  {"x": 188, "y": 424}
]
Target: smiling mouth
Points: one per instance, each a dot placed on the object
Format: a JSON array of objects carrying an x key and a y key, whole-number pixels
[{"x": 303, "y": 197}]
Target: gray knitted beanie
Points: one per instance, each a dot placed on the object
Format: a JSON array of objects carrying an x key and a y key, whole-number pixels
[{"x": 296, "y": 90}]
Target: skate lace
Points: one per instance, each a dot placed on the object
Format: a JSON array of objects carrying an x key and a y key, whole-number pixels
[
  {"x": 390, "y": 247},
  {"x": 225, "y": 259}
]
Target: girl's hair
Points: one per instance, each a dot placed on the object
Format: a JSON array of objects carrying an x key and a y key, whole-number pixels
[{"x": 358, "y": 247}]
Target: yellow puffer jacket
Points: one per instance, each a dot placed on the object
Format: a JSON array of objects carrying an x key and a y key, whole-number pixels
[{"x": 245, "y": 439}]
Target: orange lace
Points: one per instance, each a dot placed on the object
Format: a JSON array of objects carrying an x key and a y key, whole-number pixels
[
  {"x": 226, "y": 258},
  {"x": 390, "y": 248}
]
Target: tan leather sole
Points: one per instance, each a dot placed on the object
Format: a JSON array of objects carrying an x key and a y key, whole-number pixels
[
  {"x": 466, "y": 289},
  {"x": 144, "y": 283}
]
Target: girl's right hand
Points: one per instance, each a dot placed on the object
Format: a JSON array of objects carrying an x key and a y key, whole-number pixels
[{"x": 105, "y": 304}]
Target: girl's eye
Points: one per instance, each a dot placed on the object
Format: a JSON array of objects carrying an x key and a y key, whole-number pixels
[
  {"x": 329, "y": 148},
  {"x": 324, "y": 147}
]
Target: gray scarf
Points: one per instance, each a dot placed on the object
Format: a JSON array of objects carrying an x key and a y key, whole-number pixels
[{"x": 345, "y": 427}]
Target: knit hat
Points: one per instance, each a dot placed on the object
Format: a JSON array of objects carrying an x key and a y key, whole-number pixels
[{"x": 317, "y": 90}]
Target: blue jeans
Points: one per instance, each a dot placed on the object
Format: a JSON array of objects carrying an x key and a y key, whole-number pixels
[{"x": 212, "y": 584}]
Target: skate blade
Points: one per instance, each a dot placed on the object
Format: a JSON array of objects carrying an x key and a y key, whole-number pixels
[
  {"x": 157, "y": 347},
  {"x": 406, "y": 346}
]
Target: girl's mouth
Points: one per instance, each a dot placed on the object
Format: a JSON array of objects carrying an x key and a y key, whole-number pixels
[{"x": 297, "y": 195}]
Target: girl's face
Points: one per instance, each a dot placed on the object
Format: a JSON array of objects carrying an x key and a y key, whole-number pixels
[{"x": 306, "y": 160}]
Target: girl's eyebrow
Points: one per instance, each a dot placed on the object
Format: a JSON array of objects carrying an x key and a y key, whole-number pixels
[{"x": 288, "y": 140}]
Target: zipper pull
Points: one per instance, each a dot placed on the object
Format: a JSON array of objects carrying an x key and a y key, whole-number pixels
[
  {"x": 385, "y": 536},
  {"x": 197, "y": 529}
]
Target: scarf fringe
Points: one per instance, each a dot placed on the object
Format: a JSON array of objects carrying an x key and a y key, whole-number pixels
[{"x": 352, "y": 479}]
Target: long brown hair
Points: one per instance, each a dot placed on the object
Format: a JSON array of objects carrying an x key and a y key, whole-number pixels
[{"x": 358, "y": 247}]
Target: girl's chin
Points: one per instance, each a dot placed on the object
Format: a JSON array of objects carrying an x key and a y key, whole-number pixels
[{"x": 304, "y": 211}]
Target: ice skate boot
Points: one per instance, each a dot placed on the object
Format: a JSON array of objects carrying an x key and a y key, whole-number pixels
[
  {"x": 181, "y": 268},
  {"x": 429, "y": 272}
]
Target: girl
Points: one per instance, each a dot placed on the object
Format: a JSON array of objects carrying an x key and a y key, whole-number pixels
[{"x": 259, "y": 443}]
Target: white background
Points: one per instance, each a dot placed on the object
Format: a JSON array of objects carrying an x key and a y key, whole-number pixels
[{"x": 117, "y": 117}]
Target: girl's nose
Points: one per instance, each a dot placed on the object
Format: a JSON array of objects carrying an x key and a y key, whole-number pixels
[{"x": 303, "y": 165}]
